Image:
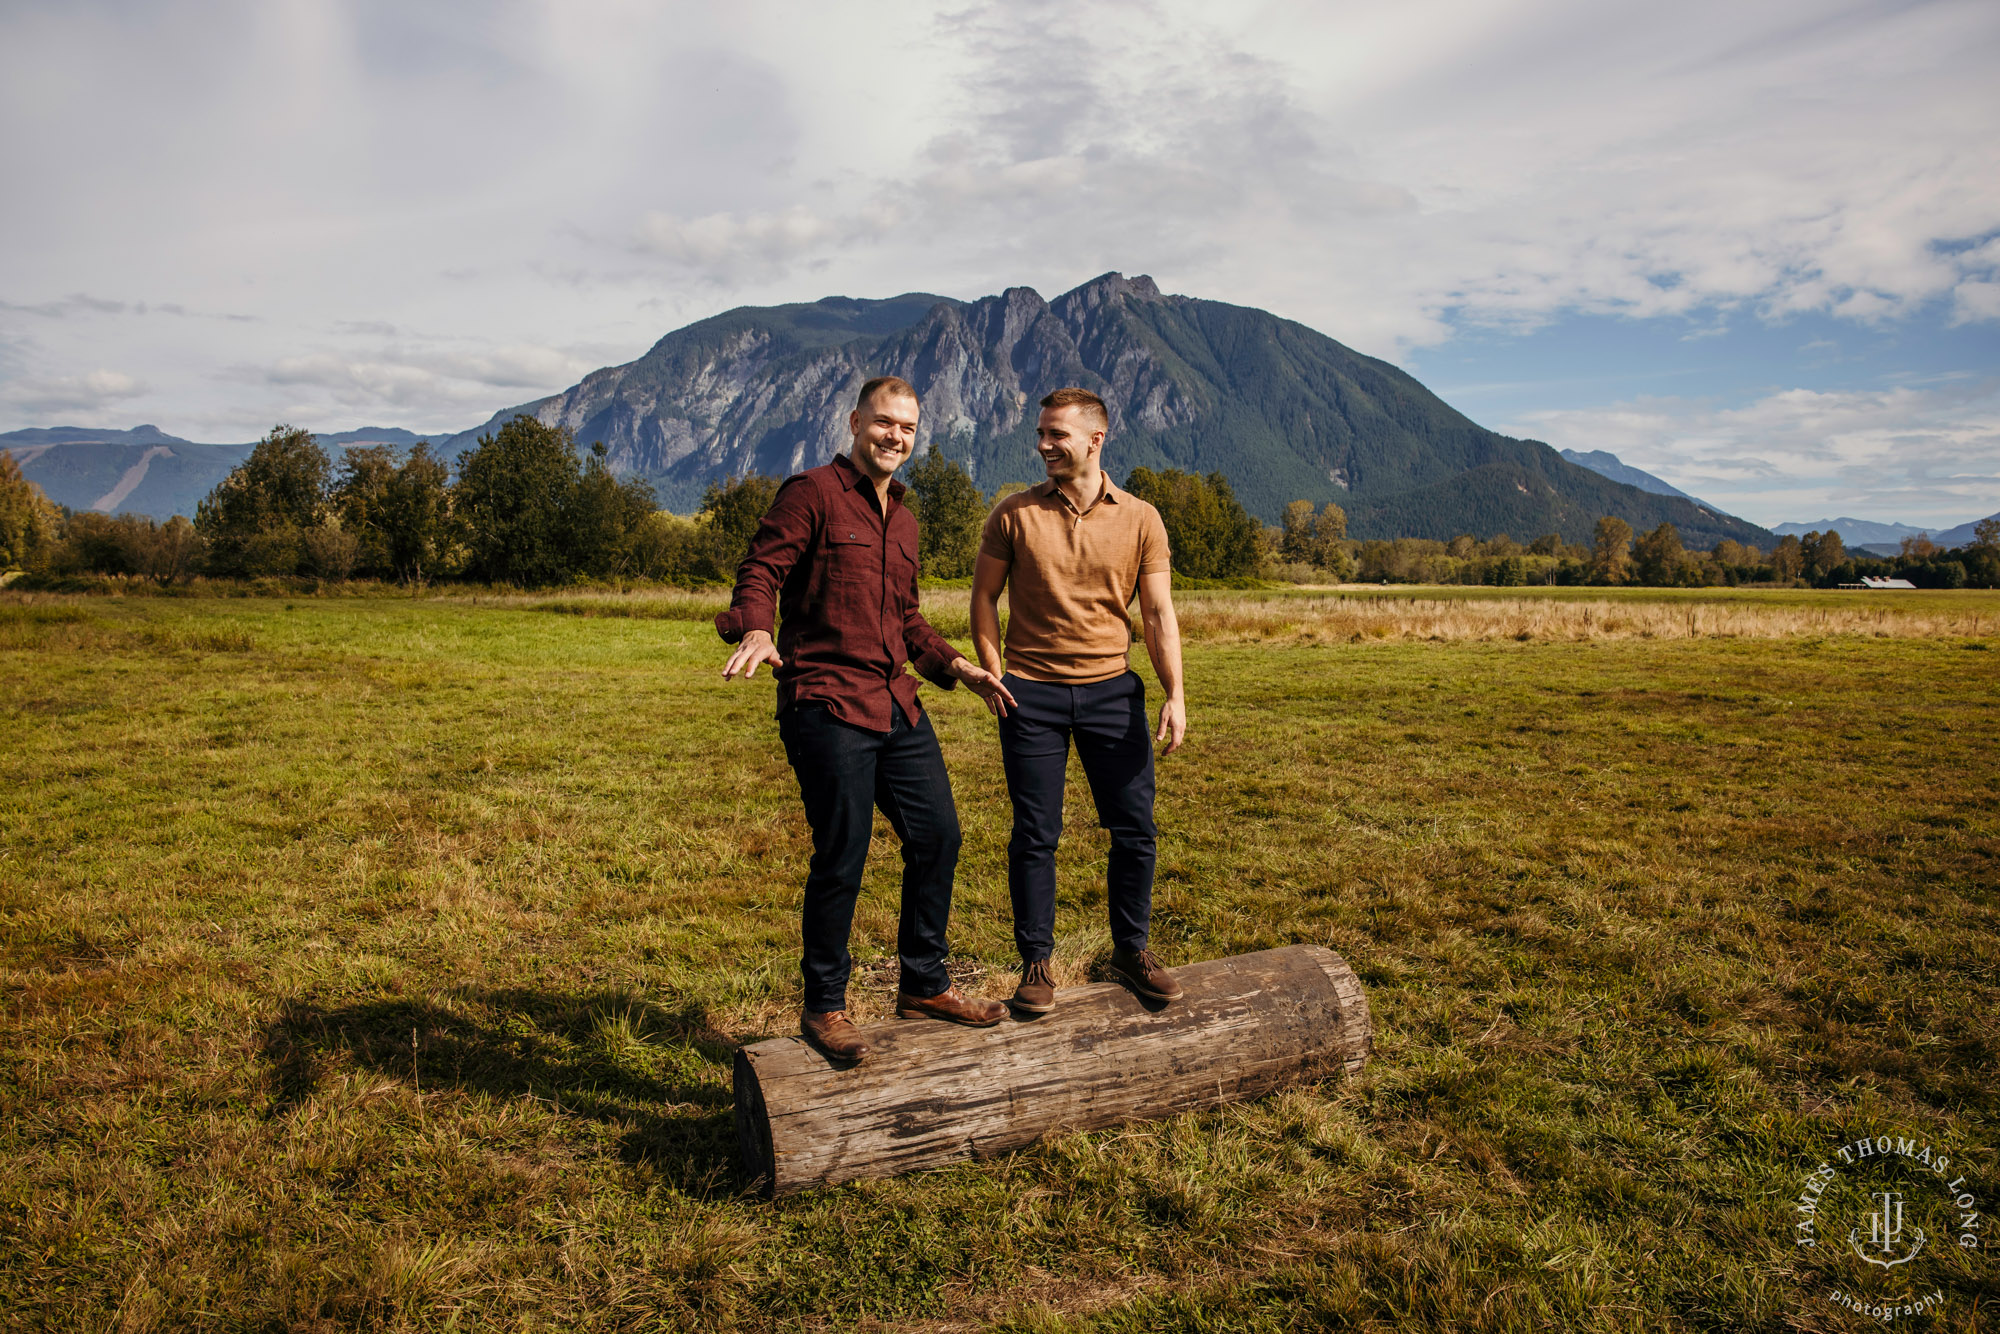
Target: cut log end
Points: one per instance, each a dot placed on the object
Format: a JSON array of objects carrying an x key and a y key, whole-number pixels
[{"x": 933, "y": 1093}]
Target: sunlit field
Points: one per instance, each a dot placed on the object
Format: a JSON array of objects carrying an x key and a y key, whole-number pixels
[{"x": 377, "y": 962}]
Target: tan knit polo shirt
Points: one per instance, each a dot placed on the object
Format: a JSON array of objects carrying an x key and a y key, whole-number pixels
[{"x": 1070, "y": 577}]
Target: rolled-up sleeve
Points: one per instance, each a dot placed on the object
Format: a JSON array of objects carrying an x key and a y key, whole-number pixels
[{"x": 780, "y": 540}]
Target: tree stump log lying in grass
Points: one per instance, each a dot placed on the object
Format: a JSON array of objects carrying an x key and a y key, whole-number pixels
[{"x": 934, "y": 1093}]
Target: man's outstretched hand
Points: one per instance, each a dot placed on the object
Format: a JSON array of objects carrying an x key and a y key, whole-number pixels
[
  {"x": 985, "y": 685},
  {"x": 755, "y": 649}
]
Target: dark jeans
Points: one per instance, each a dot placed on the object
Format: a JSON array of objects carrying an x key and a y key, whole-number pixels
[
  {"x": 844, "y": 773},
  {"x": 1107, "y": 720}
]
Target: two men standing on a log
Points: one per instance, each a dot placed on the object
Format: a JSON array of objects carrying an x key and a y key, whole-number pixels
[{"x": 836, "y": 559}]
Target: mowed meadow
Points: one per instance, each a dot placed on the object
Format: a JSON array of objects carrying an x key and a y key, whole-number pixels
[{"x": 377, "y": 962}]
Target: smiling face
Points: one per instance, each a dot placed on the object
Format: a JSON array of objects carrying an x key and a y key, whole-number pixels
[
  {"x": 885, "y": 431},
  {"x": 1069, "y": 440}
]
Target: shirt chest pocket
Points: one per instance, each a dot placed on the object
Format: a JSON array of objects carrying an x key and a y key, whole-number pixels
[{"x": 853, "y": 554}]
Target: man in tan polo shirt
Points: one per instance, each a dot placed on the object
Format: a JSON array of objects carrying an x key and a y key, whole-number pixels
[{"x": 1070, "y": 553}]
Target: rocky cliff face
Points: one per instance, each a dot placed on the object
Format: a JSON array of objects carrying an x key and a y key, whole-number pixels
[
  {"x": 741, "y": 393},
  {"x": 1285, "y": 412}
]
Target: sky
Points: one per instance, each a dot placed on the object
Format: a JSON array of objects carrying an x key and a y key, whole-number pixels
[{"x": 1753, "y": 249}]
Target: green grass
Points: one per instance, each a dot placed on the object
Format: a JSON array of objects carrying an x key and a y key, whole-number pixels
[{"x": 376, "y": 963}]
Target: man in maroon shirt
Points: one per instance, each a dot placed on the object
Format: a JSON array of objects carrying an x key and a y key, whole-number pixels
[{"x": 836, "y": 558}]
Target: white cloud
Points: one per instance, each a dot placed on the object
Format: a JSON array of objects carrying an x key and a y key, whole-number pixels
[
  {"x": 726, "y": 250},
  {"x": 1925, "y": 454},
  {"x": 589, "y": 174},
  {"x": 391, "y": 378},
  {"x": 90, "y": 392},
  {"x": 1976, "y": 301}
]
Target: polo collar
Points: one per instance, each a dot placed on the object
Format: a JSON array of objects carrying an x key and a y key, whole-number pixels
[
  {"x": 1050, "y": 491},
  {"x": 851, "y": 477}
]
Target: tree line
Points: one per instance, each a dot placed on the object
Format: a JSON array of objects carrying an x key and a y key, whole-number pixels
[
  {"x": 526, "y": 507},
  {"x": 1313, "y": 545}
]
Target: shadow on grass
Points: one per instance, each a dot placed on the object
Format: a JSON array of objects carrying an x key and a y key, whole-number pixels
[{"x": 661, "y": 1074}]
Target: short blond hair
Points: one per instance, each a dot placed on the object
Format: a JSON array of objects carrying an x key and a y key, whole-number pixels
[
  {"x": 893, "y": 385},
  {"x": 1088, "y": 403}
]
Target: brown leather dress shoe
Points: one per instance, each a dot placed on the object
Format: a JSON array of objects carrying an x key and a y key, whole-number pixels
[
  {"x": 834, "y": 1034},
  {"x": 1037, "y": 992},
  {"x": 1146, "y": 975},
  {"x": 952, "y": 1005}
]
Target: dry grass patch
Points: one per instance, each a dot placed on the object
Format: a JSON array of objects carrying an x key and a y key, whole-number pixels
[{"x": 1363, "y": 619}]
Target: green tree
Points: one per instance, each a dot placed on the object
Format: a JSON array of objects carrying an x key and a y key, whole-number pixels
[
  {"x": 1986, "y": 534},
  {"x": 1312, "y": 539},
  {"x": 949, "y": 510},
  {"x": 1821, "y": 553},
  {"x": 1787, "y": 559},
  {"x": 604, "y": 517},
  {"x": 513, "y": 494},
  {"x": 1611, "y": 551},
  {"x": 30, "y": 524},
  {"x": 1330, "y": 527},
  {"x": 416, "y": 517},
  {"x": 1212, "y": 536},
  {"x": 94, "y": 543},
  {"x": 360, "y": 497},
  {"x": 730, "y": 511},
  {"x": 255, "y": 518},
  {"x": 1300, "y": 539},
  {"x": 666, "y": 547},
  {"x": 1657, "y": 556},
  {"x": 168, "y": 552}
]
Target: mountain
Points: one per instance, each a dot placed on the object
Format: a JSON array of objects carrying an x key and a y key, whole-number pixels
[
  {"x": 1857, "y": 532},
  {"x": 143, "y": 470},
  {"x": 371, "y": 435},
  {"x": 1961, "y": 535},
  {"x": 1606, "y": 464},
  {"x": 1286, "y": 412}
]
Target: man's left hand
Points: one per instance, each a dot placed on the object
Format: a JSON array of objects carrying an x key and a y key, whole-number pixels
[
  {"x": 1173, "y": 723},
  {"x": 985, "y": 685}
]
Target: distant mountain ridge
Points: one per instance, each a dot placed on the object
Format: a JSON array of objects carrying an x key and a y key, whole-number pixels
[
  {"x": 1284, "y": 411},
  {"x": 1606, "y": 464},
  {"x": 144, "y": 470},
  {"x": 1867, "y": 532}
]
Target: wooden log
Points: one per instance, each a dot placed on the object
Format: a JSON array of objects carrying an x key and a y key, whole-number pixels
[{"x": 932, "y": 1093}]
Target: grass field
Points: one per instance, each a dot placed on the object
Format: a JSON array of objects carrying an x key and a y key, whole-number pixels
[{"x": 375, "y": 963}]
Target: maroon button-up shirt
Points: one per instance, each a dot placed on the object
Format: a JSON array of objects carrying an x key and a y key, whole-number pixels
[{"x": 842, "y": 575}]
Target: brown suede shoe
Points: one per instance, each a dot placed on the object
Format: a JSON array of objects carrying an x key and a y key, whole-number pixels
[
  {"x": 953, "y": 1006},
  {"x": 1037, "y": 992},
  {"x": 1146, "y": 975},
  {"x": 833, "y": 1034}
]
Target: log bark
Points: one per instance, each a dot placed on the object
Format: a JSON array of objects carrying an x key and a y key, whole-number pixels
[{"x": 933, "y": 1093}]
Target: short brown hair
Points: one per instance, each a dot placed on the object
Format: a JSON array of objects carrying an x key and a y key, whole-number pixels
[
  {"x": 893, "y": 385},
  {"x": 1090, "y": 403}
]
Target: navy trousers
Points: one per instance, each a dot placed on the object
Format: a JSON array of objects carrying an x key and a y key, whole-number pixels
[
  {"x": 1107, "y": 721},
  {"x": 844, "y": 773}
]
